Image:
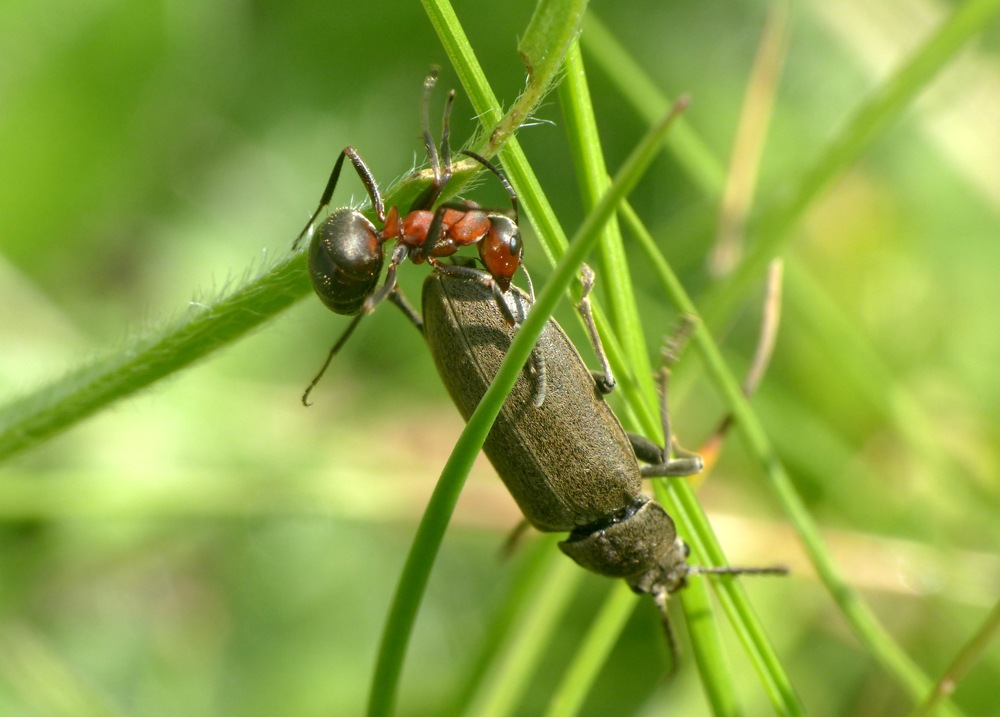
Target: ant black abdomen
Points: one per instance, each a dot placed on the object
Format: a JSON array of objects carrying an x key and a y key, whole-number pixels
[{"x": 345, "y": 261}]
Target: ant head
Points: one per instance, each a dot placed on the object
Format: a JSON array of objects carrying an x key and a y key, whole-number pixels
[{"x": 501, "y": 250}]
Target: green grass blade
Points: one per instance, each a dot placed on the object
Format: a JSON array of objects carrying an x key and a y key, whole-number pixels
[
  {"x": 206, "y": 327},
  {"x": 520, "y": 662},
  {"x": 772, "y": 227},
  {"x": 648, "y": 100},
  {"x": 615, "y": 281},
  {"x": 968, "y": 656},
  {"x": 681, "y": 500},
  {"x": 582, "y": 130},
  {"x": 592, "y": 652},
  {"x": 532, "y": 578},
  {"x": 866, "y": 626}
]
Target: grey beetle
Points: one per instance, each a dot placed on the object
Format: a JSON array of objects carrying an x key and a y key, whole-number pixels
[{"x": 568, "y": 463}]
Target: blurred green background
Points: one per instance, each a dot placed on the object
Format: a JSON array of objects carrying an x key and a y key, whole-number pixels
[{"x": 212, "y": 548}]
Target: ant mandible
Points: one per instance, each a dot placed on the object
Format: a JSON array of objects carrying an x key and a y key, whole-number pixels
[{"x": 346, "y": 254}]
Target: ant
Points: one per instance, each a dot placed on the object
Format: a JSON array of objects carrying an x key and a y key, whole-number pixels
[{"x": 346, "y": 254}]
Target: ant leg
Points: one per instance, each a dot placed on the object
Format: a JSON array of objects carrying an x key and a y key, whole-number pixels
[
  {"x": 387, "y": 289},
  {"x": 537, "y": 360},
  {"x": 445, "y": 143},
  {"x": 425, "y": 123},
  {"x": 537, "y": 366},
  {"x": 604, "y": 379},
  {"x": 500, "y": 249},
  {"x": 329, "y": 358},
  {"x": 366, "y": 178},
  {"x": 527, "y": 280},
  {"x": 484, "y": 278},
  {"x": 433, "y": 236},
  {"x": 399, "y": 255},
  {"x": 397, "y": 298}
]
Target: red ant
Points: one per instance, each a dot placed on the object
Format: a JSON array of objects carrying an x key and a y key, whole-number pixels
[{"x": 346, "y": 254}]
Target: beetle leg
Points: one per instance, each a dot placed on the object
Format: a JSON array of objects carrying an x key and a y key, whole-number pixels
[
  {"x": 672, "y": 461},
  {"x": 604, "y": 378},
  {"x": 645, "y": 450},
  {"x": 513, "y": 541},
  {"x": 674, "y": 467},
  {"x": 541, "y": 380},
  {"x": 661, "y": 465}
]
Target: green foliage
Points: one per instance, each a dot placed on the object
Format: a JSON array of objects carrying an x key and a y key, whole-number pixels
[{"x": 213, "y": 548}]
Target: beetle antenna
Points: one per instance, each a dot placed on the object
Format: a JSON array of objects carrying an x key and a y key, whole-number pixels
[
  {"x": 731, "y": 570},
  {"x": 660, "y": 598}
]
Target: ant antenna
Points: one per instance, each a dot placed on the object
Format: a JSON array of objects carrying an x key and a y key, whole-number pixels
[{"x": 425, "y": 122}]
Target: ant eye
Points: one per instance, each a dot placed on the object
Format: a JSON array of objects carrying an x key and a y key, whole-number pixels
[{"x": 515, "y": 245}]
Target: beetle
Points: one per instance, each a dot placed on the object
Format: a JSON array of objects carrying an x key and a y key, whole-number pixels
[
  {"x": 568, "y": 463},
  {"x": 346, "y": 252}
]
